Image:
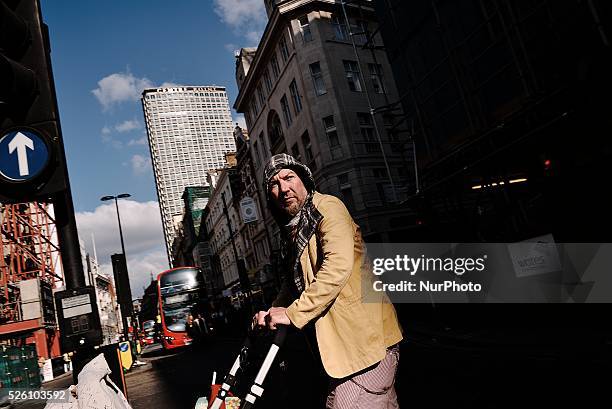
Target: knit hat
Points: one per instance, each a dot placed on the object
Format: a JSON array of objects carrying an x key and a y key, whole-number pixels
[{"x": 284, "y": 161}]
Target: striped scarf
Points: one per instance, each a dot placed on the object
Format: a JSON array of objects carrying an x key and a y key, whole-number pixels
[{"x": 292, "y": 245}]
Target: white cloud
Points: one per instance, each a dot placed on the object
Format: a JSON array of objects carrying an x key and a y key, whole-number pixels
[
  {"x": 123, "y": 127},
  {"x": 142, "y": 232},
  {"x": 138, "y": 142},
  {"x": 140, "y": 164},
  {"x": 246, "y": 17},
  {"x": 231, "y": 48},
  {"x": 253, "y": 36},
  {"x": 120, "y": 87},
  {"x": 127, "y": 126}
]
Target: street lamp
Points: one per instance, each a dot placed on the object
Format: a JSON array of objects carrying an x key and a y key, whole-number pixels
[
  {"x": 124, "y": 291},
  {"x": 121, "y": 196}
]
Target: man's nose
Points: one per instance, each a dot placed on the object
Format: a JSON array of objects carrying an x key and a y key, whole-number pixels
[{"x": 284, "y": 186}]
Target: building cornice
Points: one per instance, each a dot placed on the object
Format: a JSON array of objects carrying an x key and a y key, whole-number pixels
[{"x": 183, "y": 88}]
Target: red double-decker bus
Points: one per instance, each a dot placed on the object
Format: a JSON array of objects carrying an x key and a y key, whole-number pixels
[{"x": 180, "y": 293}]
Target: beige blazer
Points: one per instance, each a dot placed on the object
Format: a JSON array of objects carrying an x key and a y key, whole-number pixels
[{"x": 351, "y": 335}]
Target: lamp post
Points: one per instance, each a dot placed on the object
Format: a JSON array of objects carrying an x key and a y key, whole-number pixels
[
  {"x": 121, "y": 196},
  {"x": 122, "y": 283}
]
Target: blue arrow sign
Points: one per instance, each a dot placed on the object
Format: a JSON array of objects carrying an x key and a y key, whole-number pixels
[
  {"x": 23, "y": 155},
  {"x": 124, "y": 346}
]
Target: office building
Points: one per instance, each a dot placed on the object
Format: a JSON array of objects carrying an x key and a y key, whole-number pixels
[{"x": 189, "y": 131}]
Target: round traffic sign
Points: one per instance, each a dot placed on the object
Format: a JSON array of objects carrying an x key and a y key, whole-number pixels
[{"x": 24, "y": 154}]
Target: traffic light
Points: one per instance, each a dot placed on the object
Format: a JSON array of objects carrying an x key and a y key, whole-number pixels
[
  {"x": 31, "y": 151},
  {"x": 549, "y": 165}
]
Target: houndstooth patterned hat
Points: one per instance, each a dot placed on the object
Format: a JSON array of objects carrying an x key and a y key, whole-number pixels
[{"x": 284, "y": 161}]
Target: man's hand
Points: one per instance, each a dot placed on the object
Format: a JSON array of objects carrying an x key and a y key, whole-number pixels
[
  {"x": 259, "y": 319},
  {"x": 277, "y": 316}
]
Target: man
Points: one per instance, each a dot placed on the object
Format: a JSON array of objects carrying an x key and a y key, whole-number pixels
[{"x": 324, "y": 260}]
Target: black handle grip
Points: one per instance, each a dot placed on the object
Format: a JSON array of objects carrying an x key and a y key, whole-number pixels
[{"x": 281, "y": 333}]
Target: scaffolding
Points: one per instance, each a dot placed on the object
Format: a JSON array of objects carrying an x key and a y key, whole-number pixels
[{"x": 29, "y": 251}]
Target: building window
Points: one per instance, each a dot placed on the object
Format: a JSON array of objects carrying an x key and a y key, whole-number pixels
[
  {"x": 295, "y": 151},
  {"x": 317, "y": 78},
  {"x": 264, "y": 147},
  {"x": 286, "y": 111},
  {"x": 295, "y": 97},
  {"x": 376, "y": 77},
  {"x": 340, "y": 31},
  {"x": 367, "y": 132},
  {"x": 257, "y": 156},
  {"x": 260, "y": 96},
  {"x": 308, "y": 151},
  {"x": 305, "y": 29},
  {"x": 275, "y": 67},
  {"x": 346, "y": 191},
  {"x": 284, "y": 49},
  {"x": 262, "y": 152},
  {"x": 267, "y": 80},
  {"x": 330, "y": 130},
  {"x": 255, "y": 107},
  {"x": 384, "y": 192},
  {"x": 379, "y": 173},
  {"x": 360, "y": 32},
  {"x": 275, "y": 131},
  {"x": 347, "y": 198},
  {"x": 351, "y": 69},
  {"x": 364, "y": 119}
]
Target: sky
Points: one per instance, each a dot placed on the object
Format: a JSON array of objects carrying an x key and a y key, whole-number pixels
[{"x": 104, "y": 53}]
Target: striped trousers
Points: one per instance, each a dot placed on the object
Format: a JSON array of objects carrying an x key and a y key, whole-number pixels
[{"x": 373, "y": 388}]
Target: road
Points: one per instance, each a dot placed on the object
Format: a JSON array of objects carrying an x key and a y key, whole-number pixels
[
  {"x": 178, "y": 379},
  {"x": 436, "y": 371}
]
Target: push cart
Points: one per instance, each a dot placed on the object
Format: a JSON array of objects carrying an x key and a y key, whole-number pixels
[{"x": 220, "y": 392}]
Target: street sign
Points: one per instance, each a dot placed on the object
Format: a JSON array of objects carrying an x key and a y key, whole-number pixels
[
  {"x": 77, "y": 305},
  {"x": 248, "y": 210},
  {"x": 24, "y": 155}
]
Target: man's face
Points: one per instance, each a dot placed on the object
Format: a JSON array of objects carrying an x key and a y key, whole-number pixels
[{"x": 288, "y": 191}]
